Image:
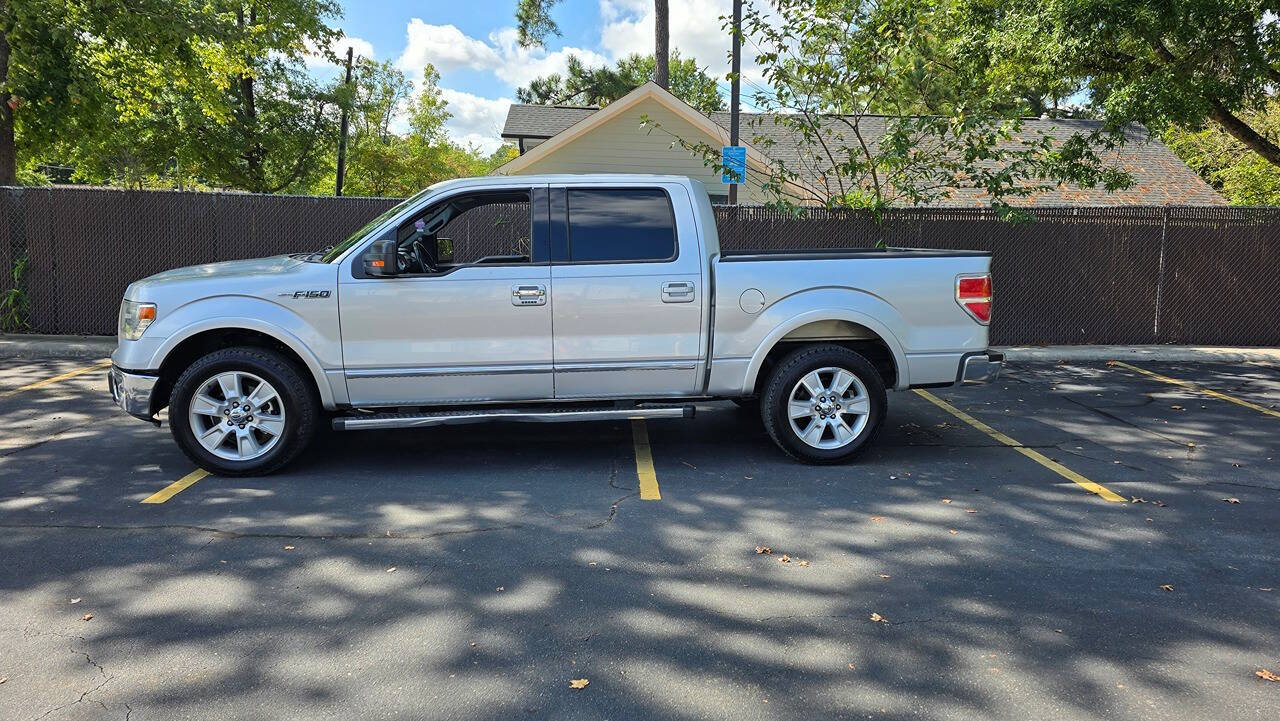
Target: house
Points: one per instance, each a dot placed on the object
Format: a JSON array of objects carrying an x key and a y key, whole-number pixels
[{"x": 565, "y": 139}]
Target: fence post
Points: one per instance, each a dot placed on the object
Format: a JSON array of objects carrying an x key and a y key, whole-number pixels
[{"x": 1164, "y": 231}]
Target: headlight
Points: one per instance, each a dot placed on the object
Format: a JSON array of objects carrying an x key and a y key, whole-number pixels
[{"x": 135, "y": 318}]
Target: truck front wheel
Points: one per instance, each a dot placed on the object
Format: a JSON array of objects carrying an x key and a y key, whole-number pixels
[
  {"x": 823, "y": 404},
  {"x": 242, "y": 411}
]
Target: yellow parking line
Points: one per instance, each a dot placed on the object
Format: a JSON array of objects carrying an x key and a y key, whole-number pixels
[
  {"x": 176, "y": 487},
  {"x": 1199, "y": 389},
  {"x": 49, "y": 381},
  {"x": 1034, "y": 455},
  {"x": 644, "y": 462}
]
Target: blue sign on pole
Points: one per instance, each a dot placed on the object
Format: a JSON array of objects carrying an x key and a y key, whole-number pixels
[{"x": 734, "y": 160}]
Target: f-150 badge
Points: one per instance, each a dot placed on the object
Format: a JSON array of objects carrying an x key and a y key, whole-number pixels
[{"x": 306, "y": 294}]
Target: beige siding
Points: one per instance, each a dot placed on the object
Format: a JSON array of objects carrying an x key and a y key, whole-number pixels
[{"x": 622, "y": 146}]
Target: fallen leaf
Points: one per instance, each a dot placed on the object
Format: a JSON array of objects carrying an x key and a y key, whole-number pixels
[
  {"x": 87, "y": 617},
  {"x": 1266, "y": 590},
  {"x": 851, "y": 668},
  {"x": 5, "y": 679},
  {"x": 763, "y": 549},
  {"x": 750, "y": 478},
  {"x": 878, "y": 618},
  {"x": 1232, "y": 501},
  {"x": 1112, "y": 364},
  {"x": 803, "y": 563},
  {"x": 592, "y": 563},
  {"x": 1176, "y": 408},
  {"x": 784, "y": 559},
  {"x": 884, "y": 575},
  {"x": 501, "y": 589},
  {"x": 391, "y": 570},
  {"x": 1190, "y": 444},
  {"x": 75, "y": 600},
  {"x": 952, "y": 531},
  {"x": 1167, "y": 587},
  {"x": 578, "y": 683},
  {"x": 1135, "y": 499},
  {"x": 970, "y": 510},
  {"x": 1266, "y": 675},
  {"x": 1160, "y": 504},
  {"x": 690, "y": 465},
  {"x": 878, "y": 519},
  {"x": 946, "y": 500},
  {"x": 288, "y": 548},
  {"x": 1150, "y": 520}
]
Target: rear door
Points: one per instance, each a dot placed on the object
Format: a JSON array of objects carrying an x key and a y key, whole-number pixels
[{"x": 627, "y": 306}]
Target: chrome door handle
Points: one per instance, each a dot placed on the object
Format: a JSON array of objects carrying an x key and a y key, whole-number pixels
[
  {"x": 528, "y": 295},
  {"x": 677, "y": 291}
]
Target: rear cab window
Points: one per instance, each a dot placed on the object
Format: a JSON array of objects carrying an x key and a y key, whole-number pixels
[{"x": 621, "y": 225}]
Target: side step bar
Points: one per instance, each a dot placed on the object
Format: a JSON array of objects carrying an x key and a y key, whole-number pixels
[{"x": 445, "y": 418}]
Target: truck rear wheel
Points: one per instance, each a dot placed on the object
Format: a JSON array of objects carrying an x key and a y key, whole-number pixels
[
  {"x": 242, "y": 411},
  {"x": 823, "y": 404}
]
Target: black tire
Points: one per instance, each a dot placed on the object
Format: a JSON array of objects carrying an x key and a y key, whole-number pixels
[
  {"x": 788, "y": 373},
  {"x": 297, "y": 394}
]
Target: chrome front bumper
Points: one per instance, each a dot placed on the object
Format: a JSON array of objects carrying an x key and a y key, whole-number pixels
[
  {"x": 132, "y": 392},
  {"x": 983, "y": 368}
]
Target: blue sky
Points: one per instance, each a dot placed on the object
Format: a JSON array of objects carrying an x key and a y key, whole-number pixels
[{"x": 472, "y": 44}]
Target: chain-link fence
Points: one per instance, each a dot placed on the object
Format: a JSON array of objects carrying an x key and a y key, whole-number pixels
[{"x": 1194, "y": 275}]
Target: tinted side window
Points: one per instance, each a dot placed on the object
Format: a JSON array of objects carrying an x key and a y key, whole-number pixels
[{"x": 620, "y": 224}]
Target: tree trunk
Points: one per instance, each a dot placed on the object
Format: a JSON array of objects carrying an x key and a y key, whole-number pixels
[
  {"x": 8, "y": 151},
  {"x": 1240, "y": 130},
  {"x": 661, "y": 43}
]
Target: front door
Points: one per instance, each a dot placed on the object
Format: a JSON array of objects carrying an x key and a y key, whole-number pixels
[
  {"x": 470, "y": 319},
  {"x": 628, "y": 306}
]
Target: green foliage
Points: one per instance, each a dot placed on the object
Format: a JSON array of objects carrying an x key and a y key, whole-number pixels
[
  {"x": 533, "y": 21},
  {"x": 1160, "y": 63},
  {"x": 1240, "y": 174},
  {"x": 891, "y": 103},
  {"x": 581, "y": 85},
  {"x": 14, "y": 313},
  {"x": 384, "y": 162}
]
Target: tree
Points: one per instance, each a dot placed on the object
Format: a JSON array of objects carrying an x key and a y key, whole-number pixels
[
  {"x": 1243, "y": 176},
  {"x": 1160, "y": 63},
  {"x": 845, "y": 81},
  {"x": 534, "y": 23},
  {"x": 384, "y": 161},
  {"x": 599, "y": 86}
]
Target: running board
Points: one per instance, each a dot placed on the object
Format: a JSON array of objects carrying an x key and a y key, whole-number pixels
[{"x": 446, "y": 418}]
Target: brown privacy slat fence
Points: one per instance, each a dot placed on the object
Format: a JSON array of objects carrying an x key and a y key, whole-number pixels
[{"x": 1194, "y": 275}]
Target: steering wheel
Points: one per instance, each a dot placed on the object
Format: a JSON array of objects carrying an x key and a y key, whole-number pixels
[{"x": 421, "y": 255}]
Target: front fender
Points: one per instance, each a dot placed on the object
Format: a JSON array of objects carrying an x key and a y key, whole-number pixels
[{"x": 314, "y": 340}]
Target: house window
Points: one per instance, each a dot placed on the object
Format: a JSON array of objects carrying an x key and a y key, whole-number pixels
[{"x": 718, "y": 198}]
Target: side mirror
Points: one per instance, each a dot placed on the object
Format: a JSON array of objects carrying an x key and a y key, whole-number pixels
[{"x": 381, "y": 259}]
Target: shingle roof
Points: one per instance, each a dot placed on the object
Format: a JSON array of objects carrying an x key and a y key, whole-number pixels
[
  {"x": 542, "y": 121},
  {"x": 1160, "y": 178}
]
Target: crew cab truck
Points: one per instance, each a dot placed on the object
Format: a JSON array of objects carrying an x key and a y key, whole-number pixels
[{"x": 544, "y": 298}]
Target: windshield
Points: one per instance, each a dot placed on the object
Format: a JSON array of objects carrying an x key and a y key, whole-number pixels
[{"x": 332, "y": 253}]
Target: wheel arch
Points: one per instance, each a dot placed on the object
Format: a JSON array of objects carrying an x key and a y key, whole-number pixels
[
  {"x": 180, "y": 351},
  {"x": 839, "y": 326}
]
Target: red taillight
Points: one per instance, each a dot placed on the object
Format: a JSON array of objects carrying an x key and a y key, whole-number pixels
[{"x": 973, "y": 293}]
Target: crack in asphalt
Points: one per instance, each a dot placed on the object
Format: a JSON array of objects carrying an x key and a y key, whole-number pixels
[{"x": 84, "y": 694}]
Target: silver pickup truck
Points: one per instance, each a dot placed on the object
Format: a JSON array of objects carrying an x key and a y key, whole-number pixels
[{"x": 544, "y": 298}]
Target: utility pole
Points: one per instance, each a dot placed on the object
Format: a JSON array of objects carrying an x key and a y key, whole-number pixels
[
  {"x": 735, "y": 85},
  {"x": 342, "y": 135}
]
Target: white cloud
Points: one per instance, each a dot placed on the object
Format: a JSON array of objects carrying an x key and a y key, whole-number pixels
[
  {"x": 695, "y": 31},
  {"x": 445, "y": 47},
  {"x": 313, "y": 58},
  {"x": 448, "y": 48},
  {"x": 476, "y": 121}
]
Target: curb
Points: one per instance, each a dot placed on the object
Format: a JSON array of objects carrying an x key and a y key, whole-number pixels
[
  {"x": 89, "y": 347},
  {"x": 1139, "y": 353}
]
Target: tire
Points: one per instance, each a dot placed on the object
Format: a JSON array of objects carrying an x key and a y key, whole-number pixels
[
  {"x": 841, "y": 434},
  {"x": 285, "y": 424}
]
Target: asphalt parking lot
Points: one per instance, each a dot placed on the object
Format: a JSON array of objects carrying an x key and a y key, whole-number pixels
[{"x": 472, "y": 572}]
